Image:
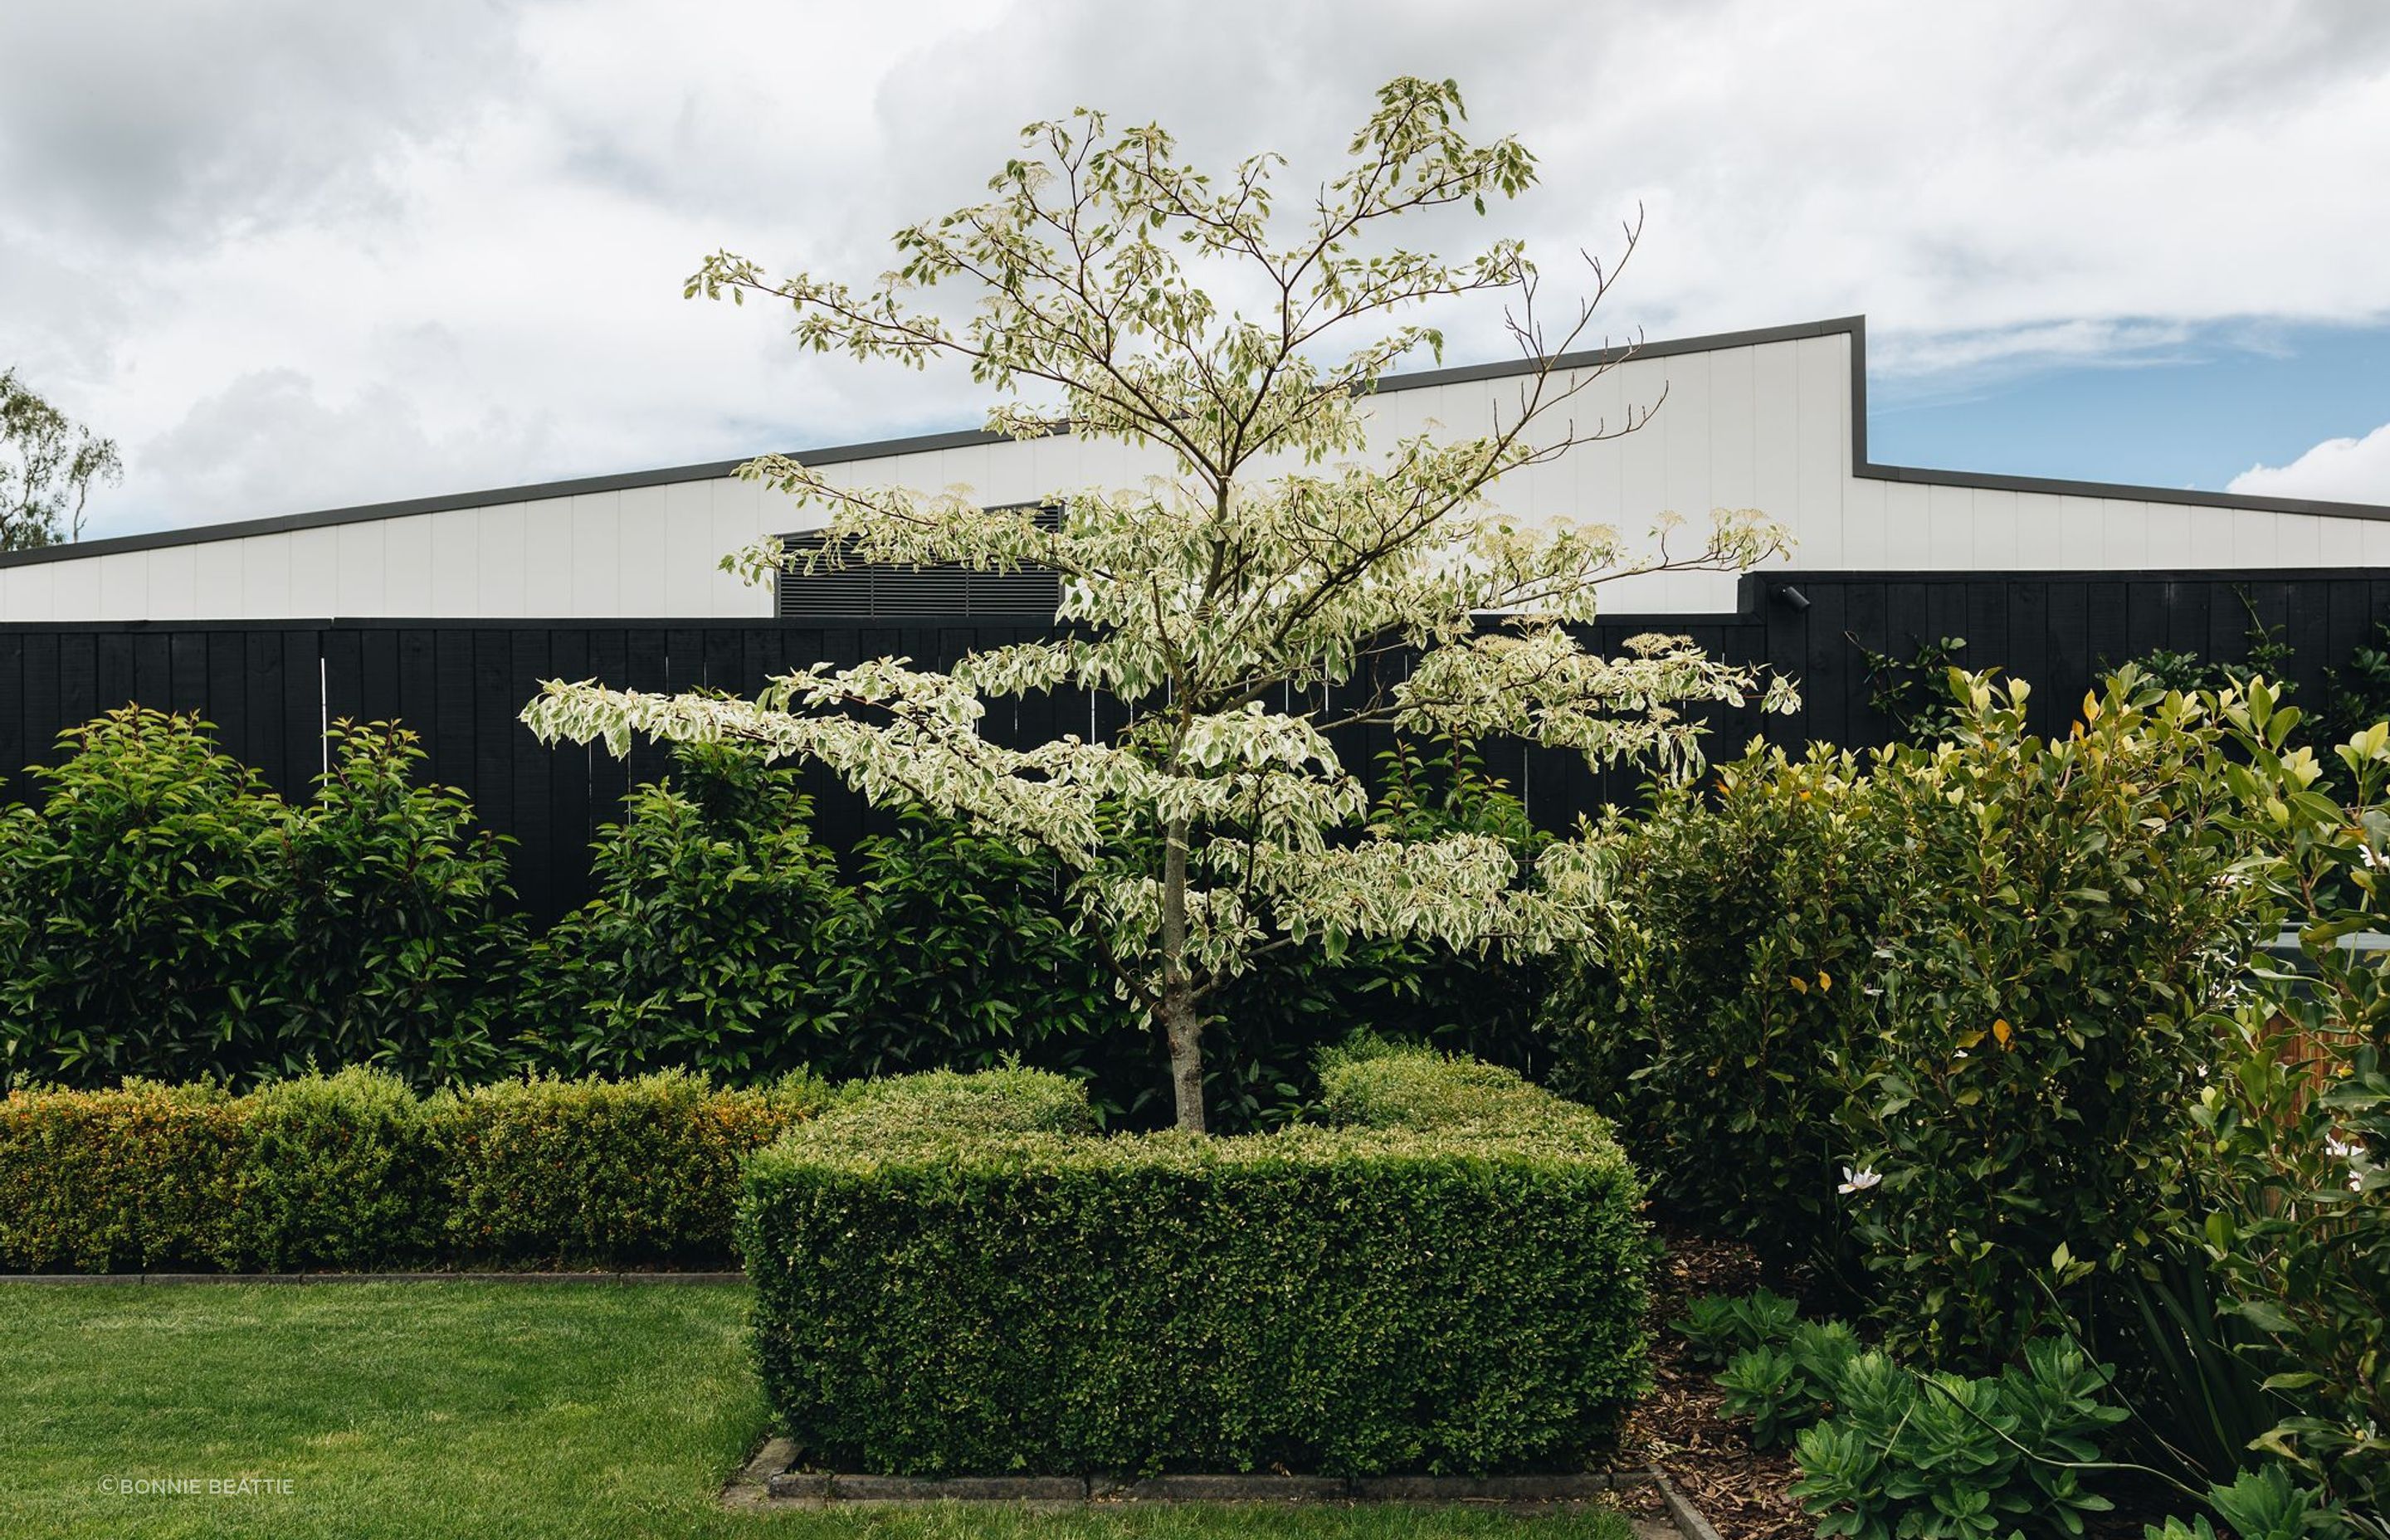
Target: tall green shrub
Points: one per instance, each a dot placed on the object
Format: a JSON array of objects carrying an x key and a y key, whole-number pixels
[
  {"x": 1940, "y": 1013},
  {"x": 705, "y": 948},
  {"x": 2295, "y": 1129},
  {"x": 397, "y": 940},
  {"x": 1731, "y": 997},
  {"x": 958, "y": 950},
  {"x": 163, "y": 914},
  {"x": 2045, "y": 1004},
  {"x": 138, "y": 924}
]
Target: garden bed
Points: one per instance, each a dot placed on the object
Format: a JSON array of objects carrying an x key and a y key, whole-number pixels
[{"x": 1679, "y": 1429}]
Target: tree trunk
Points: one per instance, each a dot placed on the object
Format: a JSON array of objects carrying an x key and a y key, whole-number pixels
[
  {"x": 1185, "y": 1030},
  {"x": 1180, "y": 1022}
]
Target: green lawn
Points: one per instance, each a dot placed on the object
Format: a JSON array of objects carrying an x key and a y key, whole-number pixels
[{"x": 466, "y": 1410}]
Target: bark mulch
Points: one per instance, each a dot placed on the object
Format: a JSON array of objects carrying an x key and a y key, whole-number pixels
[{"x": 1740, "y": 1490}]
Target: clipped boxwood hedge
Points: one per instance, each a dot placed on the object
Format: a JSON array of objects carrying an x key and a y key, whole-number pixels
[
  {"x": 955, "y": 1273},
  {"x": 354, "y": 1171}
]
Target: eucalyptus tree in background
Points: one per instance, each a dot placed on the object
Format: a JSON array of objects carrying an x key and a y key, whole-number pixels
[
  {"x": 1278, "y": 564},
  {"x": 47, "y": 464}
]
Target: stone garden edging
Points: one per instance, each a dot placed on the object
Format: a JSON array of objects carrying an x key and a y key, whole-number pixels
[{"x": 767, "y": 1482}]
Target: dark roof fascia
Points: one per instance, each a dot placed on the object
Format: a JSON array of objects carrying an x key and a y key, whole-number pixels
[
  {"x": 887, "y": 625},
  {"x": 1852, "y": 327},
  {"x": 2054, "y": 485},
  {"x": 200, "y": 534}
]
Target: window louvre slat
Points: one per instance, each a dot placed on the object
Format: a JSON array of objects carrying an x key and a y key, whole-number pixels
[{"x": 888, "y": 589}]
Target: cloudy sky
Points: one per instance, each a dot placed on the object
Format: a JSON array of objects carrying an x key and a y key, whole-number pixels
[{"x": 296, "y": 255}]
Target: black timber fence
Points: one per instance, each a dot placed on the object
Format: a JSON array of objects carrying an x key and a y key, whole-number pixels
[{"x": 270, "y": 688}]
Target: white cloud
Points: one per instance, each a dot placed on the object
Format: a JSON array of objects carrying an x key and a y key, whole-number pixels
[
  {"x": 475, "y": 214},
  {"x": 271, "y": 439},
  {"x": 2337, "y": 470},
  {"x": 173, "y": 120}
]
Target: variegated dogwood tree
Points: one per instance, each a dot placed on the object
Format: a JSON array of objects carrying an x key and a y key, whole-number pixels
[{"x": 1279, "y": 580}]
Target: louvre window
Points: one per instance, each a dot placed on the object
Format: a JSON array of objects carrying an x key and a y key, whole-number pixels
[{"x": 889, "y": 590}]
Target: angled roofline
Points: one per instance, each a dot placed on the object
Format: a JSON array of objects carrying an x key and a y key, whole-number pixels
[{"x": 1852, "y": 327}]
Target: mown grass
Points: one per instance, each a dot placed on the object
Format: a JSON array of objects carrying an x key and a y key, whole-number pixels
[{"x": 398, "y": 1411}]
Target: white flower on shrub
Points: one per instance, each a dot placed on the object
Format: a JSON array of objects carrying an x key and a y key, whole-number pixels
[
  {"x": 2353, "y": 1153},
  {"x": 1857, "y": 1181}
]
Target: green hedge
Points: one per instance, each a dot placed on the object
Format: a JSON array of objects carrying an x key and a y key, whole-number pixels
[
  {"x": 623, "y": 1173},
  {"x": 954, "y": 1274},
  {"x": 356, "y": 1171}
]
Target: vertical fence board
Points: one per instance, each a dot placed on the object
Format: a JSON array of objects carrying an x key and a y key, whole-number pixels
[
  {"x": 261, "y": 740},
  {"x": 648, "y": 668},
  {"x": 303, "y": 711},
  {"x": 15, "y": 753},
  {"x": 227, "y": 684},
  {"x": 493, "y": 703},
  {"x": 569, "y": 831},
  {"x": 522, "y": 667},
  {"x": 610, "y": 779},
  {"x": 153, "y": 671},
  {"x": 79, "y": 697},
  {"x": 187, "y": 671},
  {"x": 112, "y": 671},
  {"x": 44, "y": 717},
  {"x": 344, "y": 677}
]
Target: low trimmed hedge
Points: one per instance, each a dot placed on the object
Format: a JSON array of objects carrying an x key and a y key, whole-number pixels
[
  {"x": 354, "y": 1172},
  {"x": 955, "y": 1273}
]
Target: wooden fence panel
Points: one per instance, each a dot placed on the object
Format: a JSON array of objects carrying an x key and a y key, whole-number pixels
[{"x": 270, "y": 688}]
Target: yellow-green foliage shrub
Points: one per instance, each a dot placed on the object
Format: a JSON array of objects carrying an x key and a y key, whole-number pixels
[
  {"x": 579, "y": 1172},
  {"x": 354, "y": 1171},
  {"x": 99, "y": 1181}
]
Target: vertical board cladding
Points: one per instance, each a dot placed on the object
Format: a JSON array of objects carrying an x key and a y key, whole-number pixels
[{"x": 270, "y": 688}]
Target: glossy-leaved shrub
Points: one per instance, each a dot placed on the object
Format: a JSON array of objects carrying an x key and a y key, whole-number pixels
[
  {"x": 138, "y": 920},
  {"x": 956, "y": 1274},
  {"x": 396, "y": 938},
  {"x": 2045, "y": 1004},
  {"x": 1937, "y": 1017},
  {"x": 1728, "y": 1003},
  {"x": 2292, "y": 1217},
  {"x": 959, "y": 950},
  {"x": 163, "y": 914},
  {"x": 705, "y": 947}
]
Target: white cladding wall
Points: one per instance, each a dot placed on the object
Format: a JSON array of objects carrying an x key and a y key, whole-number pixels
[{"x": 1765, "y": 425}]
